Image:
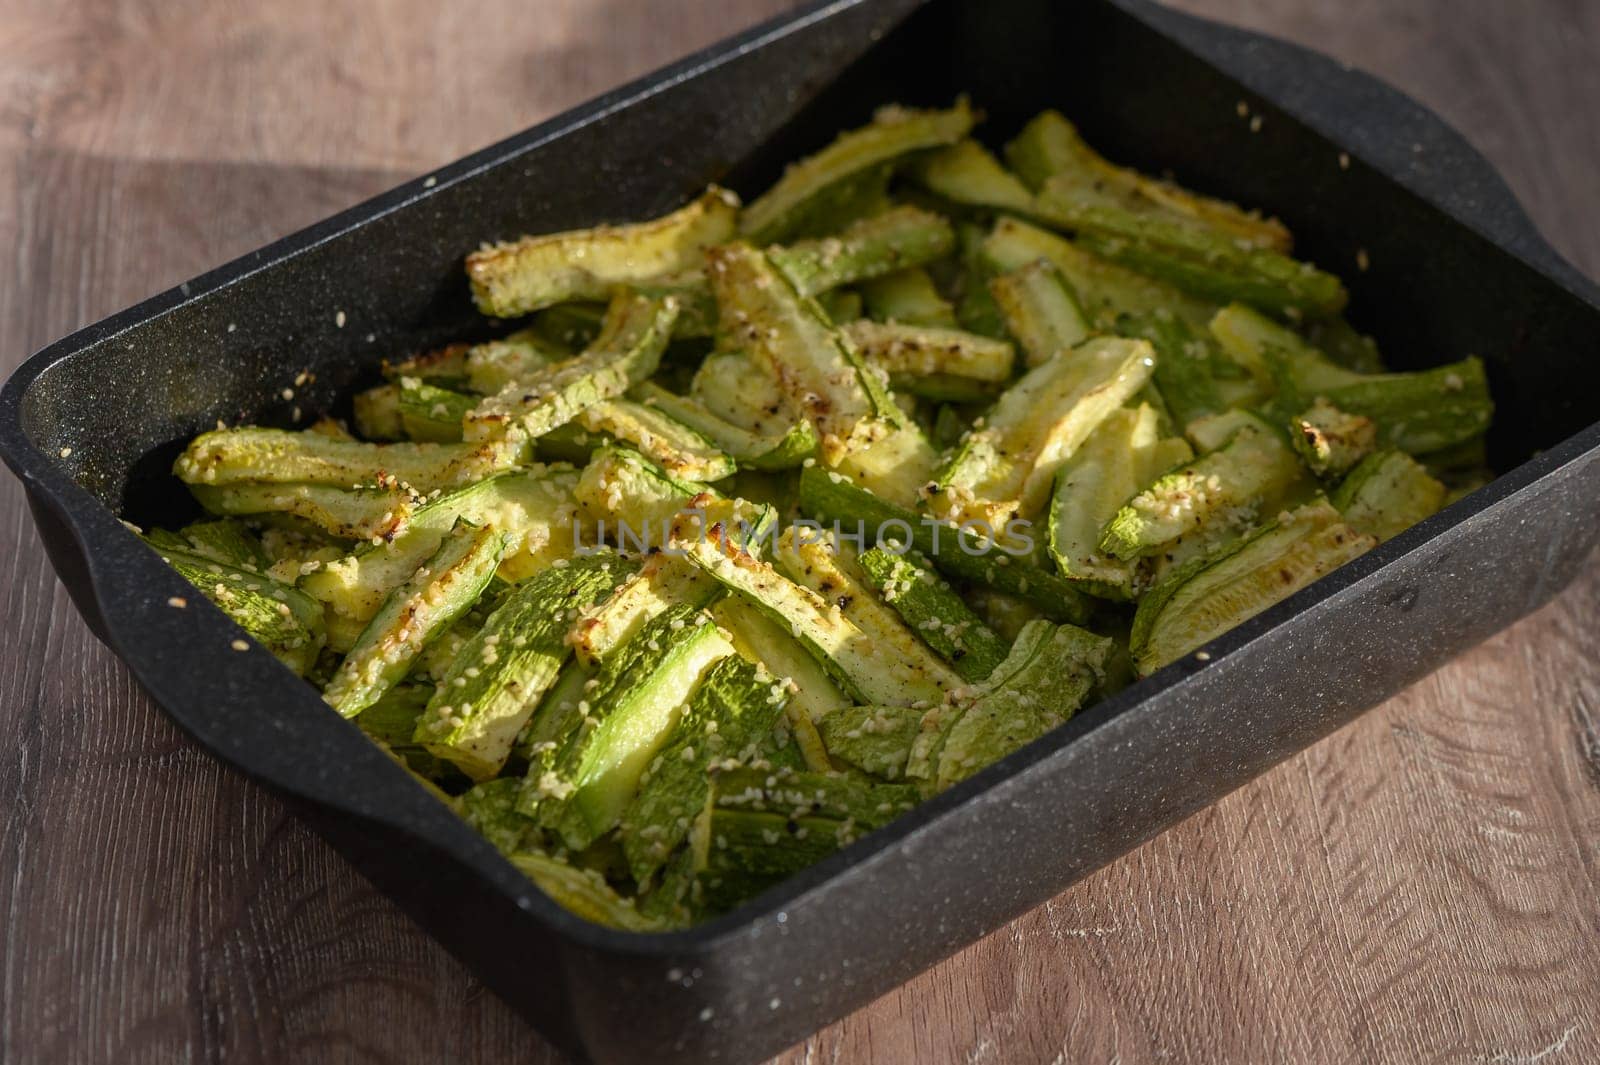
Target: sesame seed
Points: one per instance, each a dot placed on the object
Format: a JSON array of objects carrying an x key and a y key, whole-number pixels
[
  {"x": 239, "y": 645},
  {"x": 65, "y": 452},
  {"x": 1344, "y": 160},
  {"x": 1363, "y": 261},
  {"x": 1202, "y": 656},
  {"x": 429, "y": 182},
  {"x": 178, "y": 601},
  {"x": 338, "y": 319}
]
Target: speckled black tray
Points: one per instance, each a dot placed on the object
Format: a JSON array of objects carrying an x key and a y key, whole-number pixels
[{"x": 1456, "y": 268}]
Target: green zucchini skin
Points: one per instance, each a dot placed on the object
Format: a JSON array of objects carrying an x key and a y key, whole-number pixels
[
  {"x": 227, "y": 540},
  {"x": 498, "y": 676},
  {"x": 287, "y": 622},
  {"x": 877, "y": 740},
  {"x": 432, "y": 413},
  {"x": 834, "y": 498},
  {"x": 513, "y": 279},
  {"x": 1185, "y": 371},
  {"x": 413, "y": 615},
  {"x": 1040, "y": 310},
  {"x": 898, "y": 238},
  {"x": 750, "y": 450},
  {"x": 966, "y": 173},
  {"x": 367, "y": 512},
  {"x": 805, "y": 199},
  {"x": 734, "y": 718},
  {"x": 1210, "y": 595},
  {"x": 907, "y": 297},
  {"x": 933, "y": 610},
  {"x": 1387, "y": 493}
]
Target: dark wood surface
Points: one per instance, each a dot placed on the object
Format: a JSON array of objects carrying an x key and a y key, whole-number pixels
[{"x": 1421, "y": 886}]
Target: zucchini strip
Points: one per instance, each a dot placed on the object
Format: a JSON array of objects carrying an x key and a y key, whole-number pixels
[
  {"x": 1184, "y": 365},
  {"x": 1040, "y": 310},
  {"x": 1387, "y": 493},
  {"x": 802, "y": 197},
  {"x": 1003, "y": 470},
  {"x": 499, "y": 675},
  {"x": 907, "y": 297},
  {"x": 932, "y": 609},
  {"x": 284, "y": 621},
  {"x": 899, "y": 237},
  {"x": 584, "y": 892},
  {"x": 376, "y": 413},
  {"x": 750, "y": 450},
  {"x": 428, "y": 412},
  {"x": 874, "y": 739},
  {"x": 1049, "y": 147},
  {"x": 1205, "y": 598},
  {"x": 229, "y": 541},
  {"x": 967, "y": 174},
  {"x": 274, "y": 456},
  {"x": 493, "y": 365},
  {"x": 679, "y": 449},
  {"x": 832, "y": 497},
  {"x": 920, "y": 351},
  {"x": 1331, "y": 441},
  {"x": 516, "y": 278},
  {"x": 443, "y": 589},
  {"x": 364, "y": 512},
  {"x": 817, "y": 369},
  {"x": 732, "y": 720},
  {"x": 627, "y": 351}
]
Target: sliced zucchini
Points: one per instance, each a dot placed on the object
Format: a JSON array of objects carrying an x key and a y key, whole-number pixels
[
  {"x": 633, "y": 709},
  {"x": 414, "y": 614},
  {"x": 897, "y": 467},
  {"x": 934, "y": 611},
  {"x": 812, "y": 693},
  {"x": 1003, "y": 470},
  {"x": 1126, "y": 453},
  {"x": 627, "y": 351},
  {"x": 497, "y": 678},
  {"x": 584, "y": 892},
  {"x": 731, "y": 720},
  {"x": 819, "y": 371},
  {"x": 1104, "y": 290},
  {"x": 286, "y": 622},
  {"x": 1331, "y": 441},
  {"x": 1209, "y": 596},
  {"x": 765, "y": 826},
  {"x": 874, "y": 739},
  {"x": 680, "y": 450},
  {"x": 1040, "y": 310},
  {"x": 1226, "y": 489},
  {"x": 662, "y": 582},
  {"x": 363, "y": 512},
  {"x": 274, "y": 456},
  {"x": 1387, "y": 493},
  {"x": 632, "y": 495},
  {"x": 908, "y": 297},
  {"x": 515, "y": 278},
  {"x": 491, "y": 366},
  {"x": 1049, "y": 673},
  {"x": 830, "y": 496},
  {"x": 750, "y": 450},
  {"x": 489, "y": 808},
  {"x": 1049, "y": 146},
  {"x": 227, "y": 540},
  {"x": 918, "y": 351},
  {"x": 967, "y": 174},
  {"x": 898, "y": 238},
  {"x": 445, "y": 367},
  {"x": 535, "y": 510},
  {"x": 1185, "y": 373},
  {"x": 831, "y": 570},
  {"x": 804, "y": 196},
  {"x": 428, "y": 412}
]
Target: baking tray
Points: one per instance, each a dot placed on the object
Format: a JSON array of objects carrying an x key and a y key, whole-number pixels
[{"x": 1456, "y": 268}]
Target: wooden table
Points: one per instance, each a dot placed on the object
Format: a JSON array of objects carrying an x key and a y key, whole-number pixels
[{"x": 1423, "y": 885}]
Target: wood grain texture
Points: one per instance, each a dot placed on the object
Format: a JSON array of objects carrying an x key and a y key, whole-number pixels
[{"x": 1421, "y": 886}]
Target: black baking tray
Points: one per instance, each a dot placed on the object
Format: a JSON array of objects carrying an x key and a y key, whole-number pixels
[{"x": 1456, "y": 268}]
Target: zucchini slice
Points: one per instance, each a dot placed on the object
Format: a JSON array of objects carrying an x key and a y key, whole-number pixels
[
  {"x": 1228, "y": 488},
  {"x": 516, "y": 278},
  {"x": 364, "y": 512},
  {"x": 633, "y": 710},
  {"x": 275, "y": 456},
  {"x": 1209, "y": 596},
  {"x": 1050, "y": 146},
  {"x": 535, "y": 510},
  {"x": 226, "y": 540},
  {"x": 750, "y": 450},
  {"x": 428, "y": 412},
  {"x": 376, "y": 413},
  {"x": 908, "y": 297},
  {"x": 1126, "y": 453},
  {"x": 1331, "y": 441},
  {"x": 413, "y": 615},
  {"x": 874, "y": 739},
  {"x": 813, "y": 695},
  {"x": 828, "y": 568},
  {"x": 1003, "y": 470},
  {"x": 632, "y": 495},
  {"x": 967, "y": 174},
  {"x": 820, "y": 371},
  {"x": 1049, "y": 673},
  {"x": 1040, "y": 310},
  {"x": 899, "y": 237},
  {"x": 1387, "y": 493},
  {"x": 497, "y": 678},
  {"x": 733, "y": 719},
  {"x": 932, "y": 609},
  {"x": 830, "y": 496},
  {"x": 680, "y": 450},
  {"x": 1185, "y": 371},
  {"x": 919, "y": 351},
  {"x": 627, "y": 351},
  {"x": 493, "y": 365},
  {"x": 804, "y": 196},
  {"x": 584, "y": 892},
  {"x": 286, "y": 622}
]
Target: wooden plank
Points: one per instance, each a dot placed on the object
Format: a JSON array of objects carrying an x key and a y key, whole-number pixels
[{"x": 1423, "y": 884}]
